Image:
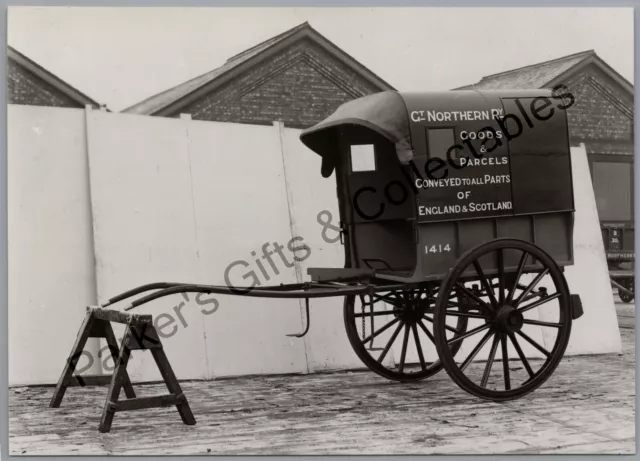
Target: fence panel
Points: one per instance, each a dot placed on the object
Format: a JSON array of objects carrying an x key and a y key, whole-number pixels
[{"x": 51, "y": 266}]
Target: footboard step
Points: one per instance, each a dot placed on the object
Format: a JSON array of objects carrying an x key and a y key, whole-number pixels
[{"x": 140, "y": 334}]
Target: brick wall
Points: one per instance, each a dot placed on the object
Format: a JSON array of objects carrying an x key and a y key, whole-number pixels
[
  {"x": 602, "y": 115},
  {"x": 28, "y": 89},
  {"x": 299, "y": 87},
  {"x": 602, "y": 119}
]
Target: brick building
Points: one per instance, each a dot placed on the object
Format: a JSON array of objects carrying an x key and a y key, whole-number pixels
[
  {"x": 298, "y": 77},
  {"x": 31, "y": 84},
  {"x": 602, "y": 119}
]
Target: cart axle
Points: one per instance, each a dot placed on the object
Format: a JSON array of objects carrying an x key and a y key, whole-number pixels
[{"x": 509, "y": 319}]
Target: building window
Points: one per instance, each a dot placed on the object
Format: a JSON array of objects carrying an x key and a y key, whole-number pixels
[{"x": 612, "y": 185}]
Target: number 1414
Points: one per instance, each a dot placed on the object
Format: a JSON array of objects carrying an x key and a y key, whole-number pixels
[{"x": 437, "y": 248}]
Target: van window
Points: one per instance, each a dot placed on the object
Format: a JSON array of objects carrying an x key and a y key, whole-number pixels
[
  {"x": 440, "y": 141},
  {"x": 363, "y": 158}
]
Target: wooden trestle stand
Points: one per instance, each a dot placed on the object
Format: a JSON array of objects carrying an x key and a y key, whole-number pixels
[{"x": 140, "y": 334}]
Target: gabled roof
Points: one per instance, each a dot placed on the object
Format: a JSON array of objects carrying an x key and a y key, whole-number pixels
[
  {"x": 173, "y": 98},
  {"x": 42, "y": 73},
  {"x": 546, "y": 74}
]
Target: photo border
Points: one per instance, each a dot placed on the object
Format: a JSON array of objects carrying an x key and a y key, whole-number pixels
[{"x": 4, "y": 445}]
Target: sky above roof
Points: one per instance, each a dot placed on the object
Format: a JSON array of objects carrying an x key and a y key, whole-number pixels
[{"x": 120, "y": 56}]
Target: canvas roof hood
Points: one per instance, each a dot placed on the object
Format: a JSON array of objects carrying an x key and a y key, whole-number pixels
[{"x": 384, "y": 113}]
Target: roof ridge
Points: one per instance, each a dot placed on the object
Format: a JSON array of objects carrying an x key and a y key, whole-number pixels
[
  {"x": 235, "y": 57},
  {"x": 562, "y": 58},
  {"x": 50, "y": 75},
  {"x": 172, "y": 96},
  {"x": 171, "y": 88},
  {"x": 606, "y": 65},
  {"x": 269, "y": 41}
]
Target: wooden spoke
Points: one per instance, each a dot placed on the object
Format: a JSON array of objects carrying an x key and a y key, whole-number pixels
[
  {"x": 485, "y": 284},
  {"x": 501, "y": 276},
  {"x": 521, "y": 264},
  {"x": 539, "y": 302},
  {"x": 492, "y": 356},
  {"x": 505, "y": 363},
  {"x": 380, "y": 330},
  {"x": 418, "y": 346},
  {"x": 467, "y": 314},
  {"x": 542, "y": 324},
  {"x": 529, "y": 296},
  {"x": 405, "y": 341},
  {"x": 448, "y": 327},
  {"x": 467, "y": 334},
  {"x": 473, "y": 296},
  {"x": 427, "y": 332},
  {"x": 475, "y": 350},
  {"x": 534, "y": 344},
  {"x": 391, "y": 341},
  {"x": 523, "y": 359},
  {"x": 531, "y": 286}
]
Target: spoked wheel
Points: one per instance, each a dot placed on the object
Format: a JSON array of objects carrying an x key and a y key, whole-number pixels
[
  {"x": 521, "y": 310},
  {"x": 392, "y": 332},
  {"x": 624, "y": 296}
]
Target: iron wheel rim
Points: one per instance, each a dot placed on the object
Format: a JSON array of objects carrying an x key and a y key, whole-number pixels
[
  {"x": 626, "y": 297},
  {"x": 406, "y": 329}
]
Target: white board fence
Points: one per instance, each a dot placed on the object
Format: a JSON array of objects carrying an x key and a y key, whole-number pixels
[{"x": 101, "y": 202}]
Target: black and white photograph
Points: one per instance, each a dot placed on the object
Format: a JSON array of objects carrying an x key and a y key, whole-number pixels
[{"x": 320, "y": 231}]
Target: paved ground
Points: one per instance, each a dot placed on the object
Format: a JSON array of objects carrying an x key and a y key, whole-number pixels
[
  {"x": 626, "y": 314},
  {"x": 588, "y": 406}
]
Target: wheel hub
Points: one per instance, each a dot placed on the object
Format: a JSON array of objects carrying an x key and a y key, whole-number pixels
[
  {"x": 509, "y": 319},
  {"x": 413, "y": 310}
]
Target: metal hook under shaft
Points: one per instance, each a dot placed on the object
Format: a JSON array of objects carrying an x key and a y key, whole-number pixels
[{"x": 306, "y": 302}]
